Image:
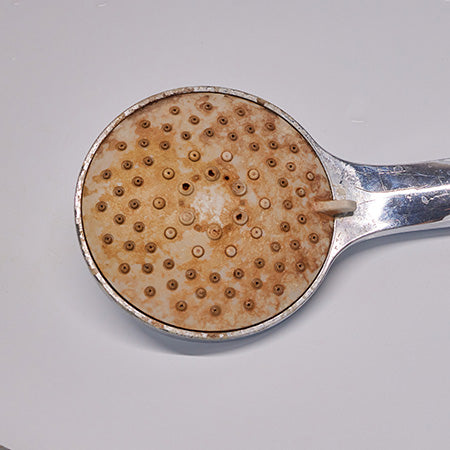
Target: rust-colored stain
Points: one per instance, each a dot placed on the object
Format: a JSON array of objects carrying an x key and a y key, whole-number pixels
[{"x": 199, "y": 210}]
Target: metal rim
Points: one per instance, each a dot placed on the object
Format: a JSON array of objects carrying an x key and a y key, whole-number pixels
[{"x": 163, "y": 327}]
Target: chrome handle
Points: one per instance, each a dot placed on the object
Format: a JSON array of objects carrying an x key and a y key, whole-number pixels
[
  {"x": 407, "y": 195},
  {"x": 389, "y": 199}
]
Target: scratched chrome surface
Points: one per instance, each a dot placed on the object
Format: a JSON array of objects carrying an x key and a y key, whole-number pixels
[{"x": 389, "y": 199}]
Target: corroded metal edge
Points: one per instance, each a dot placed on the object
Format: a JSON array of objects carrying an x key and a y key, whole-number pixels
[{"x": 324, "y": 158}]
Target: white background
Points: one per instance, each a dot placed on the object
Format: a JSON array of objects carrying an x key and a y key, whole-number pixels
[{"x": 365, "y": 365}]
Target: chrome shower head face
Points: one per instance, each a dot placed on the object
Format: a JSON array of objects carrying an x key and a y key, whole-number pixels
[{"x": 198, "y": 211}]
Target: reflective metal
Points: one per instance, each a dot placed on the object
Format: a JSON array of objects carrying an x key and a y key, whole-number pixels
[{"x": 390, "y": 199}]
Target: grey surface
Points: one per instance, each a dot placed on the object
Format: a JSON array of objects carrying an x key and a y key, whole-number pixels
[{"x": 363, "y": 365}]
